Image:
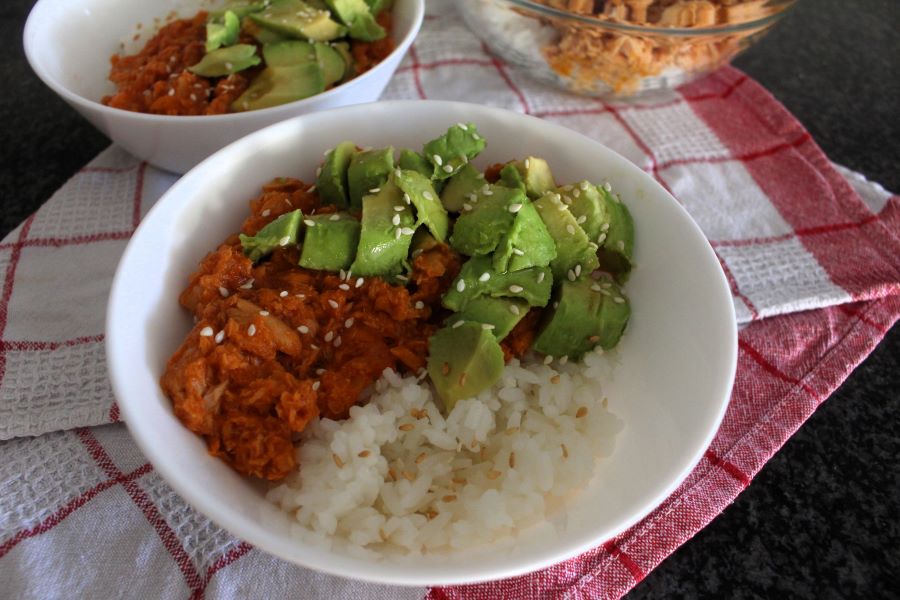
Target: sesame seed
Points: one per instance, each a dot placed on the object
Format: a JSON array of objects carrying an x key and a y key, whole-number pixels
[
  {"x": 329, "y": 336},
  {"x": 563, "y": 359},
  {"x": 284, "y": 241},
  {"x": 359, "y": 282},
  {"x": 467, "y": 207},
  {"x": 264, "y": 313},
  {"x": 577, "y": 270},
  {"x": 220, "y": 336},
  {"x": 333, "y": 303},
  {"x": 251, "y": 331},
  {"x": 487, "y": 326},
  {"x": 604, "y": 227},
  {"x": 601, "y": 238},
  {"x": 437, "y": 159},
  {"x": 571, "y": 275},
  {"x": 374, "y": 190},
  {"x": 540, "y": 276},
  {"x": 248, "y": 284},
  {"x": 419, "y": 305},
  {"x": 398, "y": 172},
  {"x": 484, "y": 276},
  {"x": 348, "y": 323},
  {"x": 206, "y": 332},
  {"x": 593, "y": 246},
  {"x": 527, "y": 162},
  {"x": 403, "y": 278},
  {"x": 408, "y": 231},
  {"x": 223, "y": 292},
  {"x": 595, "y": 287},
  {"x": 316, "y": 385},
  {"x": 334, "y": 217},
  {"x": 427, "y": 195},
  {"x": 518, "y": 252},
  {"x": 448, "y": 169},
  {"x": 303, "y": 329},
  {"x": 337, "y": 342},
  {"x": 488, "y": 192},
  {"x": 607, "y": 186},
  {"x": 514, "y": 309},
  {"x": 581, "y": 219},
  {"x": 301, "y": 296},
  {"x": 548, "y": 359},
  {"x": 462, "y": 126},
  {"x": 327, "y": 152},
  {"x": 571, "y": 229},
  {"x": 514, "y": 208},
  {"x": 516, "y": 289},
  {"x": 399, "y": 208},
  {"x": 476, "y": 137},
  {"x": 406, "y": 198},
  {"x": 266, "y": 212},
  {"x": 620, "y": 245},
  {"x": 397, "y": 233},
  {"x": 312, "y": 188},
  {"x": 395, "y": 220},
  {"x": 342, "y": 274},
  {"x": 283, "y": 294},
  {"x": 576, "y": 192},
  {"x": 318, "y": 171},
  {"x": 584, "y": 186},
  {"x": 461, "y": 285},
  {"x": 458, "y": 324},
  {"x": 473, "y": 197},
  {"x": 619, "y": 300},
  {"x": 309, "y": 222},
  {"x": 344, "y": 287},
  {"x": 172, "y": 92}
]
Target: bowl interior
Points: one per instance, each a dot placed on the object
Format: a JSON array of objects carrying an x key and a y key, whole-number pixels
[{"x": 677, "y": 358}]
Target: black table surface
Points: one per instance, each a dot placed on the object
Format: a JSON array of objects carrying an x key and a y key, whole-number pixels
[{"x": 821, "y": 519}]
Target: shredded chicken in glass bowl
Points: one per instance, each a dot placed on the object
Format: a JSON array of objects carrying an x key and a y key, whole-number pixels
[{"x": 613, "y": 48}]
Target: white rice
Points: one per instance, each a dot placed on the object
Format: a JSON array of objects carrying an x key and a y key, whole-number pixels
[{"x": 482, "y": 474}]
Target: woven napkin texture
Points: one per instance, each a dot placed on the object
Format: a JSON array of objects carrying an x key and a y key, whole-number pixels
[{"x": 812, "y": 256}]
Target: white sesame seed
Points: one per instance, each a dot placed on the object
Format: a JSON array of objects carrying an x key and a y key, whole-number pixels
[
  {"x": 320, "y": 372},
  {"x": 333, "y": 303},
  {"x": 313, "y": 346},
  {"x": 206, "y": 331},
  {"x": 567, "y": 201},
  {"x": 467, "y": 207},
  {"x": 318, "y": 171},
  {"x": 462, "y": 126},
  {"x": 172, "y": 92},
  {"x": 223, "y": 292},
  {"x": 619, "y": 300},
  {"x": 548, "y": 359},
  {"x": 397, "y": 233},
  {"x": 398, "y": 172},
  {"x": 593, "y": 246},
  {"x": 437, "y": 159},
  {"x": 309, "y": 222},
  {"x": 334, "y": 217},
  {"x": 601, "y": 238},
  {"x": 540, "y": 276},
  {"x": 419, "y": 305},
  {"x": 473, "y": 197},
  {"x": 406, "y": 198},
  {"x": 402, "y": 278},
  {"x": 251, "y": 331},
  {"x": 344, "y": 287},
  {"x": 327, "y": 152},
  {"x": 396, "y": 220},
  {"x": 316, "y": 385},
  {"x": 264, "y": 313},
  {"x": 458, "y": 324},
  {"x": 576, "y": 192},
  {"x": 584, "y": 186},
  {"x": 571, "y": 275},
  {"x": 247, "y": 285},
  {"x": 476, "y": 137},
  {"x": 461, "y": 285},
  {"x": 284, "y": 241},
  {"x": 220, "y": 336},
  {"x": 374, "y": 190},
  {"x": 595, "y": 287},
  {"x": 527, "y": 163},
  {"x": 607, "y": 186},
  {"x": 514, "y": 208},
  {"x": 556, "y": 304},
  {"x": 338, "y": 342},
  {"x": 312, "y": 188},
  {"x": 581, "y": 219},
  {"x": 408, "y": 231},
  {"x": 484, "y": 276},
  {"x": 604, "y": 227},
  {"x": 303, "y": 329},
  {"x": 516, "y": 289},
  {"x": 427, "y": 195},
  {"x": 578, "y": 270},
  {"x": 570, "y": 228},
  {"x": 605, "y": 292},
  {"x": 620, "y": 245},
  {"x": 329, "y": 336},
  {"x": 359, "y": 282},
  {"x": 486, "y": 187},
  {"x": 563, "y": 359},
  {"x": 487, "y": 326},
  {"x": 518, "y": 252},
  {"x": 399, "y": 208},
  {"x": 488, "y": 192},
  {"x": 514, "y": 309},
  {"x": 448, "y": 169},
  {"x": 266, "y": 212},
  {"x": 348, "y": 323}
]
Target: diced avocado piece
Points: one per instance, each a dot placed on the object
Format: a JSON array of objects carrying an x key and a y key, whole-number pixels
[
  {"x": 510, "y": 177},
  {"x": 536, "y": 175},
  {"x": 240, "y": 8},
  {"x": 449, "y": 152},
  {"x": 330, "y": 243},
  {"x": 586, "y": 203},
  {"x": 289, "y": 53},
  {"x": 617, "y": 247},
  {"x": 499, "y": 314},
  {"x": 226, "y": 61},
  {"x": 280, "y": 85},
  {"x": 478, "y": 231},
  {"x": 429, "y": 210},
  {"x": 575, "y": 255},
  {"x": 355, "y": 14},
  {"x": 332, "y": 179},
  {"x": 332, "y": 63},
  {"x": 387, "y": 230},
  {"x": 368, "y": 170},
  {"x": 410, "y": 160},
  {"x": 587, "y": 313},
  {"x": 224, "y": 33},
  {"x": 526, "y": 244},
  {"x": 463, "y": 361},
  {"x": 297, "y": 19},
  {"x": 478, "y": 278},
  {"x": 462, "y": 188},
  {"x": 282, "y": 231},
  {"x": 343, "y": 48}
]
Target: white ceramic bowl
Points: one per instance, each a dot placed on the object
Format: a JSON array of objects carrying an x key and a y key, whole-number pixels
[
  {"x": 69, "y": 42},
  {"x": 678, "y": 355}
]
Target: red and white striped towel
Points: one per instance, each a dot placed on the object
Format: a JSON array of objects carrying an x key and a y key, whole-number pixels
[{"x": 81, "y": 510}]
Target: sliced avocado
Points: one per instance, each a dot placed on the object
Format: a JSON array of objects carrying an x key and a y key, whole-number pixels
[
  {"x": 368, "y": 170},
  {"x": 332, "y": 63},
  {"x": 260, "y": 33},
  {"x": 478, "y": 231},
  {"x": 387, "y": 230},
  {"x": 616, "y": 249},
  {"x": 241, "y": 8},
  {"x": 297, "y": 19},
  {"x": 226, "y": 61},
  {"x": 463, "y": 361},
  {"x": 536, "y": 174},
  {"x": 478, "y": 278},
  {"x": 330, "y": 243},
  {"x": 343, "y": 48},
  {"x": 429, "y": 210},
  {"x": 224, "y": 33},
  {"x": 526, "y": 244},
  {"x": 280, "y": 85},
  {"x": 289, "y": 53},
  {"x": 355, "y": 14},
  {"x": 410, "y": 160},
  {"x": 449, "y": 152},
  {"x": 510, "y": 177},
  {"x": 282, "y": 231},
  {"x": 586, "y": 203},
  {"x": 332, "y": 179},
  {"x": 462, "y": 188},
  {"x": 575, "y": 254},
  {"x": 587, "y": 313},
  {"x": 500, "y": 314}
]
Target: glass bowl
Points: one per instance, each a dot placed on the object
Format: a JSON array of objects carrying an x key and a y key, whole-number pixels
[{"x": 620, "y": 48}]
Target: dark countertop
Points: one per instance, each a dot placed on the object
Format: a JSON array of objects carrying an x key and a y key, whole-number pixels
[{"x": 820, "y": 520}]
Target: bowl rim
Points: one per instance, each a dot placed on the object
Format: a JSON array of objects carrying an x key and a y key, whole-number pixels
[
  {"x": 180, "y": 482},
  {"x": 594, "y": 21},
  {"x": 29, "y": 34}
]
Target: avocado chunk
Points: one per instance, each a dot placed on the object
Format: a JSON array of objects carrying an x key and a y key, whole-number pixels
[
  {"x": 463, "y": 361},
  {"x": 332, "y": 63},
  {"x": 429, "y": 210},
  {"x": 282, "y": 231},
  {"x": 280, "y": 85},
  {"x": 499, "y": 314},
  {"x": 586, "y": 203},
  {"x": 368, "y": 170},
  {"x": 241, "y": 8},
  {"x": 462, "y": 188},
  {"x": 261, "y": 34},
  {"x": 617, "y": 247},
  {"x": 536, "y": 175},
  {"x": 575, "y": 254},
  {"x": 343, "y": 48},
  {"x": 332, "y": 178},
  {"x": 526, "y": 244},
  {"x": 478, "y": 278},
  {"x": 511, "y": 178},
  {"x": 224, "y": 33},
  {"x": 226, "y": 61},
  {"x": 330, "y": 242},
  {"x": 387, "y": 230},
  {"x": 478, "y": 231},
  {"x": 297, "y": 19},
  {"x": 587, "y": 313},
  {"x": 355, "y": 14},
  {"x": 410, "y": 160},
  {"x": 289, "y": 53},
  {"x": 449, "y": 152}
]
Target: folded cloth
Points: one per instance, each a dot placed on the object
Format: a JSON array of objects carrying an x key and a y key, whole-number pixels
[{"x": 81, "y": 508}]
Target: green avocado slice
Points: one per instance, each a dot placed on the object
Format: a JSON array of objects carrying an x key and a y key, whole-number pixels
[
  {"x": 462, "y": 188},
  {"x": 526, "y": 244},
  {"x": 449, "y": 152},
  {"x": 280, "y": 85},
  {"x": 511, "y": 178},
  {"x": 429, "y": 209},
  {"x": 499, "y": 314},
  {"x": 224, "y": 33},
  {"x": 617, "y": 247},
  {"x": 388, "y": 226},
  {"x": 587, "y": 313},
  {"x": 486, "y": 219},
  {"x": 575, "y": 255},
  {"x": 330, "y": 243},
  {"x": 536, "y": 176},
  {"x": 331, "y": 180},
  {"x": 463, "y": 361},
  {"x": 355, "y": 14},
  {"x": 368, "y": 170},
  {"x": 297, "y": 19},
  {"x": 586, "y": 203},
  {"x": 332, "y": 63},
  {"x": 226, "y": 61},
  {"x": 478, "y": 278},
  {"x": 289, "y": 53},
  {"x": 283, "y": 231}
]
